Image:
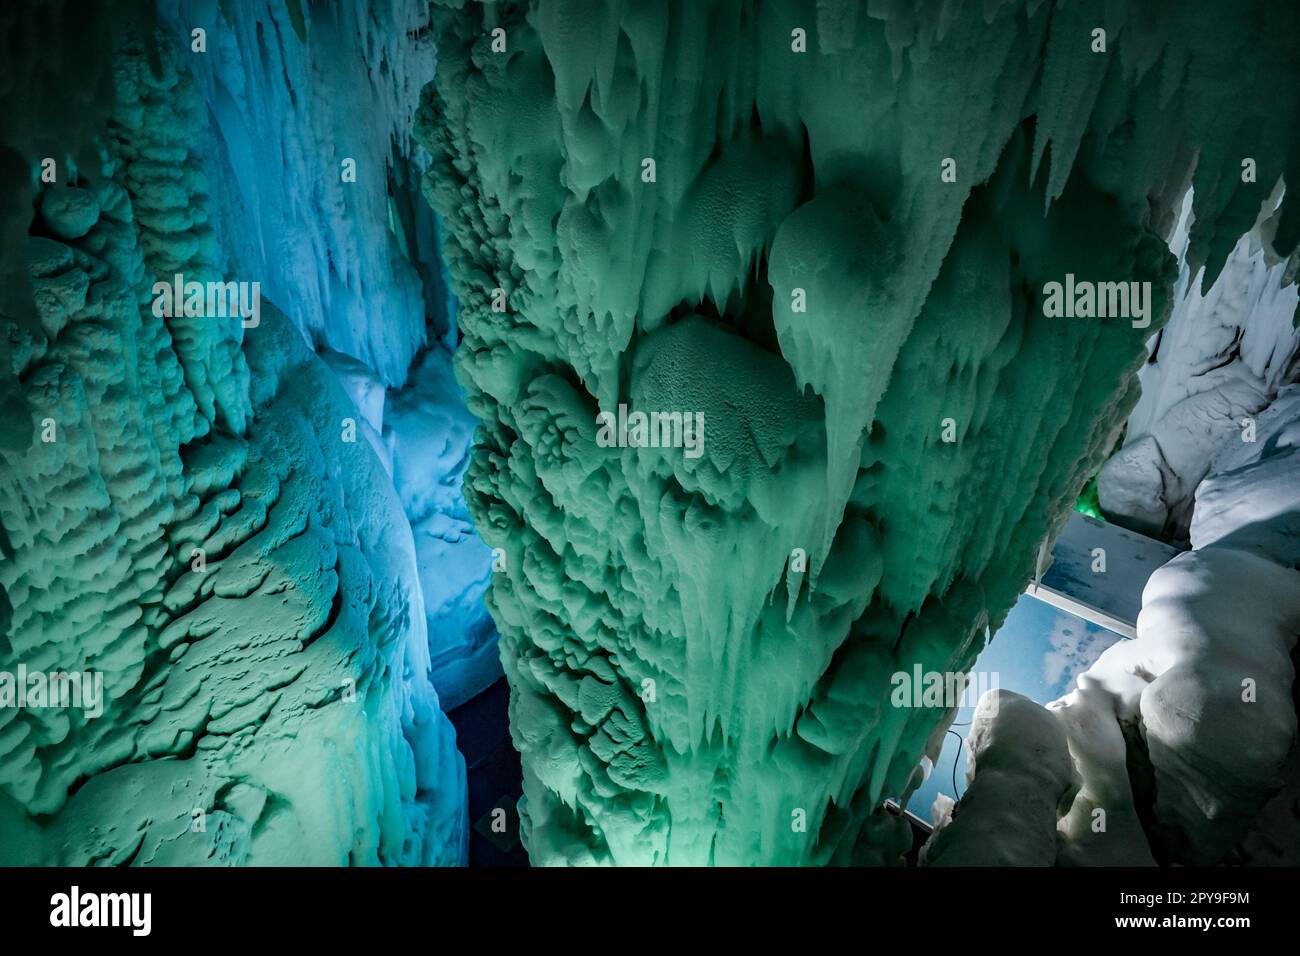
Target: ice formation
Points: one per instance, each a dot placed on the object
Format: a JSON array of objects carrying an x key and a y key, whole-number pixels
[
  {"x": 1020, "y": 773},
  {"x": 827, "y": 230},
  {"x": 353, "y": 258},
  {"x": 1175, "y": 742},
  {"x": 329, "y": 211},
  {"x": 431, "y": 430},
  {"x": 184, "y": 507},
  {"x": 1220, "y": 361}
]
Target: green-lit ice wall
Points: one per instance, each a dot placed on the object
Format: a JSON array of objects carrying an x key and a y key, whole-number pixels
[{"x": 910, "y": 173}]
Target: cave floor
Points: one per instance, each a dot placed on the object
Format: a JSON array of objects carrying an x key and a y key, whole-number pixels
[{"x": 494, "y": 776}]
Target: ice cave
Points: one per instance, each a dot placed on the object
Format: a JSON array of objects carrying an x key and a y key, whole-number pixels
[{"x": 649, "y": 433}]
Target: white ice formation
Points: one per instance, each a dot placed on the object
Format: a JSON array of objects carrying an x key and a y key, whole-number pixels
[{"x": 1178, "y": 746}]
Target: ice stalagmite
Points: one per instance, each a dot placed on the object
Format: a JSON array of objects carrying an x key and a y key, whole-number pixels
[{"x": 828, "y": 230}]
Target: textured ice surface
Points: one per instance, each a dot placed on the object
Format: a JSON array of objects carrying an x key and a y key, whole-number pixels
[
  {"x": 1226, "y": 351},
  {"x": 198, "y": 532},
  {"x": 1180, "y": 737},
  {"x": 683, "y": 691},
  {"x": 430, "y": 431},
  {"x": 294, "y": 94},
  {"x": 294, "y": 91}
]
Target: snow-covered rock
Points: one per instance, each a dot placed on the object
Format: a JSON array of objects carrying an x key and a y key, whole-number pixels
[{"x": 1251, "y": 501}]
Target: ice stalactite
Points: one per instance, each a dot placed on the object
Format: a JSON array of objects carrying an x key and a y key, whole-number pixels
[
  {"x": 183, "y": 515},
  {"x": 827, "y": 229}
]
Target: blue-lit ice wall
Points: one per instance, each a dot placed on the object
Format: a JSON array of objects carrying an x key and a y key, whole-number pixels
[
  {"x": 316, "y": 192},
  {"x": 311, "y": 112}
]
